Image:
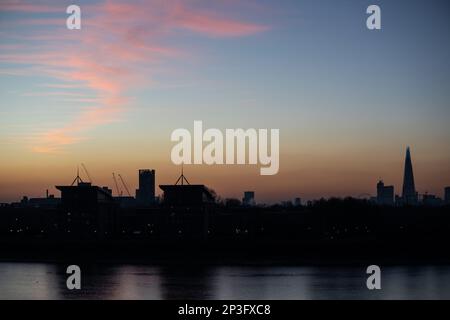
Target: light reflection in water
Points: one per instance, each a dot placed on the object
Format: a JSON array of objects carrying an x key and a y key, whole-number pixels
[{"x": 134, "y": 281}]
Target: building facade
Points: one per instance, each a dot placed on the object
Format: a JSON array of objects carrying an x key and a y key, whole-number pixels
[
  {"x": 145, "y": 195},
  {"x": 385, "y": 194}
]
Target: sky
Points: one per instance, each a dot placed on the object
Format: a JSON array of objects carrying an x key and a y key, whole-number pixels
[{"x": 347, "y": 100}]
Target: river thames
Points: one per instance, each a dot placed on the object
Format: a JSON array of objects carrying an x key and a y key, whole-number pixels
[{"x": 20, "y": 280}]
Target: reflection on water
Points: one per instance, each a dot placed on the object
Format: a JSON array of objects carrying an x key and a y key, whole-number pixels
[{"x": 48, "y": 281}]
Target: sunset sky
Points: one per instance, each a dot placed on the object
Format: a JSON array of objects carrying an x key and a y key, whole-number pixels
[{"x": 347, "y": 100}]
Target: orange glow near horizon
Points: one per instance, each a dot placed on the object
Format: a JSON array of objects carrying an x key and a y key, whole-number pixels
[
  {"x": 346, "y": 102},
  {"x": 307, "y": 177}
]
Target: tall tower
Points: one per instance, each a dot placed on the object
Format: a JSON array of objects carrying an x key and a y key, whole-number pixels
[
  {"x": 409, "y": 194},
  {"x": 145, "y": 195}
]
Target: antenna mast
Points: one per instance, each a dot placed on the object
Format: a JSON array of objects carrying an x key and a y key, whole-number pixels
[
  {"x": 77, "y": 179},
  {"x": 182, "y": 178}
]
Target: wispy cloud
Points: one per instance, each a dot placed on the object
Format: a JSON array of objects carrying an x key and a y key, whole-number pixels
[
  {"x": 118, "y": 47},
  {"x": 22, "y": 6},
  {"x": 212, "y": 24}
]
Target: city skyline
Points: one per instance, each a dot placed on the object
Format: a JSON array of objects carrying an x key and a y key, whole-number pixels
[
  {"x": 146, "y": 192},
  {"x": 347, "y": 100}
]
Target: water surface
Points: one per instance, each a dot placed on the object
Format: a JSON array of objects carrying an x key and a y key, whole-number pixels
[{"x": 134, "y": 281}]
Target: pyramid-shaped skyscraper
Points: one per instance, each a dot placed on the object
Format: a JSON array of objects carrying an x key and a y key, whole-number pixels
[{"x": 409, "y": 195}]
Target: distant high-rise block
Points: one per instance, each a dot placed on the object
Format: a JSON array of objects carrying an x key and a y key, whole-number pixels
[
  {"x": 145, "y": 195},
  {"x": 447, "y": 195},
  {"x": 409, "y": 194},
  {"x": 385, "y": 194},
  {"x": 249, "y": 198}
]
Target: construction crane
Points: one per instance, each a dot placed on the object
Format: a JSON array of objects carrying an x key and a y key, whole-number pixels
[
  {"x": 119, "y": 193},
  {"x": 86, "y": 171},
  {"x": 124, "y": 185}
]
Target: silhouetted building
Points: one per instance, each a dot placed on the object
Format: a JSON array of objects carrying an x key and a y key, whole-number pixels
[
  {"x": 447, "y": 195},
  {"x": 126, "y": 202},
  {"x": 398, "y": 200},
  {"x": 287, "y": 204},
  {"x": 145, "y": 195},
  {"x": 186, "y": 195},
  {"x": 190, "y": 208},
  {"x": 431, "y": 200},
  {"x": 87, "y": 210},
  {"x": 108, "y": 190},
  {"x": 297, "y": 202},
  {"x": 409, "y": 194},
  {"x": 385, "y": 194},
  {"x": 249, "y": 198},
  {"x": 49, "y": 202}
]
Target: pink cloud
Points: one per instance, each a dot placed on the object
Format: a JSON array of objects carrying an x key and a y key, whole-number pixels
[
  {"x": 119, "y": 46},
  {"x": 213, "y": 25}
]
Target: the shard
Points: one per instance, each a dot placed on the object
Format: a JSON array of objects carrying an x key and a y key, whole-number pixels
[{"x": 409, "y": 195}]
